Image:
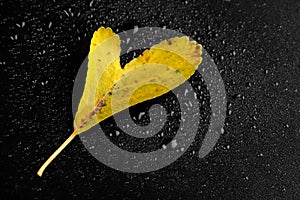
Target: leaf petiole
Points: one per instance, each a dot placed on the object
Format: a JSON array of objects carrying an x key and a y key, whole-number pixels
[{"x": 51, "y": 158}]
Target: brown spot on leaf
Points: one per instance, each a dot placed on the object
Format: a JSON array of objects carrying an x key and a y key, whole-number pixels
[{"x": 147, "y": 58}]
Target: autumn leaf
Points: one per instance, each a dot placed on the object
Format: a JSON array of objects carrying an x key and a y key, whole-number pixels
[{"x": 110, "y": 89}]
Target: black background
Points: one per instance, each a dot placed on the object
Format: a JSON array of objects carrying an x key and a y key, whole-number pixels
[{"x": 256, "y": 48}]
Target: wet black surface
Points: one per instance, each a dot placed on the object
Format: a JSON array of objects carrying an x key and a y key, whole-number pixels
[{"x": 256, "y": 48}]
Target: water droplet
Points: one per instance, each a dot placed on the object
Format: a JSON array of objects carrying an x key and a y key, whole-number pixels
[
  {"x": 174, "y": 144},
  {"x": 135, "y": 29}
]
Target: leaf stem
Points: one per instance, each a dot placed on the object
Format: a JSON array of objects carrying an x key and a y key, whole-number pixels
[{"x": 51, "y": 158}]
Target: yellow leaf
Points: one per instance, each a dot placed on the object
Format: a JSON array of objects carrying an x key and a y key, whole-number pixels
[
  {"x": 110, "y": 89},
  {"x": 103, "y": 70}
]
